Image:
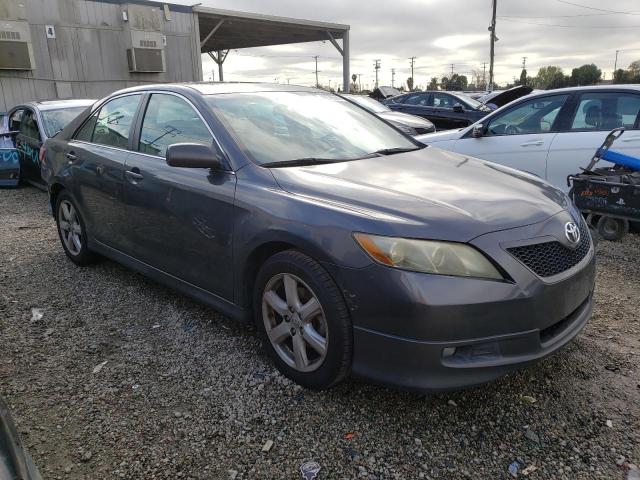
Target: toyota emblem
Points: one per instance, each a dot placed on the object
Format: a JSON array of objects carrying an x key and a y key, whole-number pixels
[{"x": 572, "y": 232}]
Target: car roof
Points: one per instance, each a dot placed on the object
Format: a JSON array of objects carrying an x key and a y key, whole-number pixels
[
  {"x": 590, "y": 88},
  {"x": 216, "y": 88},
  {"x": 44, "y": 105}
]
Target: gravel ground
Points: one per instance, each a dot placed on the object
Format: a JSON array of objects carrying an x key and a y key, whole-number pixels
[{"x": 187, "y": 393}]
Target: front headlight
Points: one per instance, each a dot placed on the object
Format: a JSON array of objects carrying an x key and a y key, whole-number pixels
[
  {"x": 405, "y": 129},
  {"x": 428, "y": 256}
]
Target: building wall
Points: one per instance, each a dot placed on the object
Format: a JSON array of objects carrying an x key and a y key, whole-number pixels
[{"x": 87, "y": 58}]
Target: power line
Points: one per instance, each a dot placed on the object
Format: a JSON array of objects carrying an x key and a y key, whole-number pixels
[
  {"x": 558, "y": 16},
  {"x": 596, "y": 8},
  {"x": 571, "y": 26}
]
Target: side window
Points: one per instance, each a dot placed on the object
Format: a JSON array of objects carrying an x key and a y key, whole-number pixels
[
  {"x": 417, "y": 99},
  {"x": 168, "y": 120},
  {"x": 112, "y": 123},
  {"x": 29, "y": 125},
  {"x": 443, "y": 100},
  {"x": 14, "y": 120},
  {"x": 606, "y": 111},
  {"x": 533, "y": 116}
]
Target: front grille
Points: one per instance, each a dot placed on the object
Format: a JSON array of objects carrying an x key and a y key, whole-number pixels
[{"x": 551, "y": 258}]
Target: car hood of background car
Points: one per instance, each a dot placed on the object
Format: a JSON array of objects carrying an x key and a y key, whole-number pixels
[
  {"x": 405, "y": 119},
  {"x": 428, "y": 193}
]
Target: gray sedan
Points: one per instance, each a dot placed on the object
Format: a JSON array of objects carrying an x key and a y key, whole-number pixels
[{"x": 353, "y": 248}]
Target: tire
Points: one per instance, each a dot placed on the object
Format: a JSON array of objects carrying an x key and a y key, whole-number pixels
[
  {"x": 292, "y": 323},
  {"x": 612, "y": 229},
  {"x": 68, "y": 217}
]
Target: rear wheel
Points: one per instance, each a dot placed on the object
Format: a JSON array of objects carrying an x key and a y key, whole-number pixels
[
  {"x": 303, "y": 320},
  {"x": 612, "y": 229},
  {"x": 72, "y": 230}
]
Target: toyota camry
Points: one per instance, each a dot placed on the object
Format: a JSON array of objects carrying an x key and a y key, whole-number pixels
[{"x": 353, "y": 248}]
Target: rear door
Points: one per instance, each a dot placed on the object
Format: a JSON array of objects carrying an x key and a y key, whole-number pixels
[
  {"x": 520, "y": 136},
  {"x": 96, "y": 156},
  {"x": 180, "y": 219},
  {"x": 28, "y": 142},
  {"x": 595, "y": 113},
  {"x": 442, "y": 110}
]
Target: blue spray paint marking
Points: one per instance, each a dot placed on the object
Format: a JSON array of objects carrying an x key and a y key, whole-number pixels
[
  {"x": 31, "y": 153},
  {"x": 9, "y": 167}
]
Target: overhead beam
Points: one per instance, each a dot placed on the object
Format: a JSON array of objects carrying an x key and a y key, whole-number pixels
[
  {"x": 335, "y": 44},
  {"x": 210, "y": 34}
]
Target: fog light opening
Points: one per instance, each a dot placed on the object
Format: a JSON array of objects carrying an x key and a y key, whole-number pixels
[{"x": 448, "y": 352}]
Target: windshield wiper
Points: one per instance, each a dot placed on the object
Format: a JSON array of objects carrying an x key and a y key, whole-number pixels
[
  {"x": 300, "y": 162},
  {"x": 391, "y": 151}
]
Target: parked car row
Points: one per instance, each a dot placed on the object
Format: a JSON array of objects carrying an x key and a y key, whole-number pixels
[
  {"x": 550, "y": 134},
  {"x": 340, "y": 236}
]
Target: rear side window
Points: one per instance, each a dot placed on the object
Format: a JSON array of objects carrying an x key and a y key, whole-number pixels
[
  {"x": 168, "y": 120},
  {"x": 606, "y": 111},
  {"x": 417, "y": 99},
  {"x": 29, "y": 125},
  {"x": 112, "y": 123},
  {"x": 14, "y": 120},
  {"x": 444, "y": 101}
]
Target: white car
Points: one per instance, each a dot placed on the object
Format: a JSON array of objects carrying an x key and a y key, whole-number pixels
[{"x": 552, "y": 133}]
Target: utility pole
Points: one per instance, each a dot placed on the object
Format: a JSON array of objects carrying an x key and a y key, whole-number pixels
[
  {"x": 452, "y": 69},
  {"x": 524, "y": 63},
  {"x": 615, "y": 67},
  {"x": 317, "y": 84},
  {"x": 413, "y": 80},
  {"x": 484, "y": 75},
  {"x": 359, "y": 82},
  {"x": 393, "y": 76},
  {"x": 492, "y": 33},
  {"x": 377, "y": 67}
]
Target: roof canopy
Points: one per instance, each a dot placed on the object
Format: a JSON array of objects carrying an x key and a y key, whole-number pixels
[{"x": 227, "y": 29}]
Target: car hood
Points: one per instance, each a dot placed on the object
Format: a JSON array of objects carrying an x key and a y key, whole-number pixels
[
  {"x": 441, "y": 136},
  {"x": 428, "y": 193},
  {"x": 405, "y": 119},
  {"x": 500, "y": 99}
]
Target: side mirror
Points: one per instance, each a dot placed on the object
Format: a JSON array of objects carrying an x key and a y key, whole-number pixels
[
  {"x": 458, "y": 108},
  {"x": 193, "y": 155},
  {"x": 478, "y": 130}
]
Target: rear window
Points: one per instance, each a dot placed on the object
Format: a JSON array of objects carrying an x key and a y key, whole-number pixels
[{"x": 55, "y": 120}]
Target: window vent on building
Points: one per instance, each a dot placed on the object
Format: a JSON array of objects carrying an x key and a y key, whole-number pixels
[
  {"x": 148, "y": 43},
  {"x": 9, "y": 35}
]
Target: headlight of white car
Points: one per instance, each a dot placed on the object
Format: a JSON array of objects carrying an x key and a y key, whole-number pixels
[{"x": 428, "y": 256}]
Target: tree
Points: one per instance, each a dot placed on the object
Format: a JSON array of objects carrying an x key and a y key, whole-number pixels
[
  {"x": 585, "y": 75},
  {"x": 523, "y": 77},
  {"x": 477, "y": 77},
  {"x": 455, "y": 82},
  {"x": 433, "y": 84},
  {"x": 410, "y": 84},
  {"x": 634, "y": 68},
  {"x": 551, "y": 77}
]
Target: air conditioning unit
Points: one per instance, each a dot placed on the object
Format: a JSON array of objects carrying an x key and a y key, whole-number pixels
[
  {"x": 146, "y": 41},
  {"x": 16, "y": 50}
]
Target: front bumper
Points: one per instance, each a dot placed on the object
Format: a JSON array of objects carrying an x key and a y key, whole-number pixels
[{"x": 432, "y": 333}]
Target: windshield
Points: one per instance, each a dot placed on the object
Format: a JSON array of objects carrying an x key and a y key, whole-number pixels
[
  {"x": 476, "y": 105},
  {"x": 56, "y": 120},
  {"x": 369, "y": 103},
  {"x": 277, "y": 127}
]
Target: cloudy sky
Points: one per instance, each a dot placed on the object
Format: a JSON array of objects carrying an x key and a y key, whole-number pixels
[{"x": 440, "y": 33}]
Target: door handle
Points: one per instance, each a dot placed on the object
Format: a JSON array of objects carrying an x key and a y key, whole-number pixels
[
  {"x": 533, "y": 143},
  {"x": 133, "y": 175},
  {"x": 631, "y": 139},
  {"x": 71, "y": 157}
]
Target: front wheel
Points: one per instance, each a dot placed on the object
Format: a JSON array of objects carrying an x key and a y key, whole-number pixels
[
  {"x": 72, "y": 230},
  {"x": 303, "y": 320}
]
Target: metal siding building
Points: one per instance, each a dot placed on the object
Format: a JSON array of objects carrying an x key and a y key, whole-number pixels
[{"x": 89, "y": 48}]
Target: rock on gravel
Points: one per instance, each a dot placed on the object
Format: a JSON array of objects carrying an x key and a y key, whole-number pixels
[{"x": 168, "y": 354}]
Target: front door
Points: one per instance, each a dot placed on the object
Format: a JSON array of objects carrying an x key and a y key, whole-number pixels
[
  {"x": 518, "y": 137},
  {"x": 28, "y": 142},
  {"x": 180, "y": 219}
]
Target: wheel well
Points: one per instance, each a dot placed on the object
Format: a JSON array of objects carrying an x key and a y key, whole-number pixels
[
  {"x": 54, "y": 191},
  {"x": 255, "y": 260}
]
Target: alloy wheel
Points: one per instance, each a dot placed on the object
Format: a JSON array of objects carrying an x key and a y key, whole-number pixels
[
  {"x": 70, "y": 228},
  {"x": 295, "y": 322}
]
